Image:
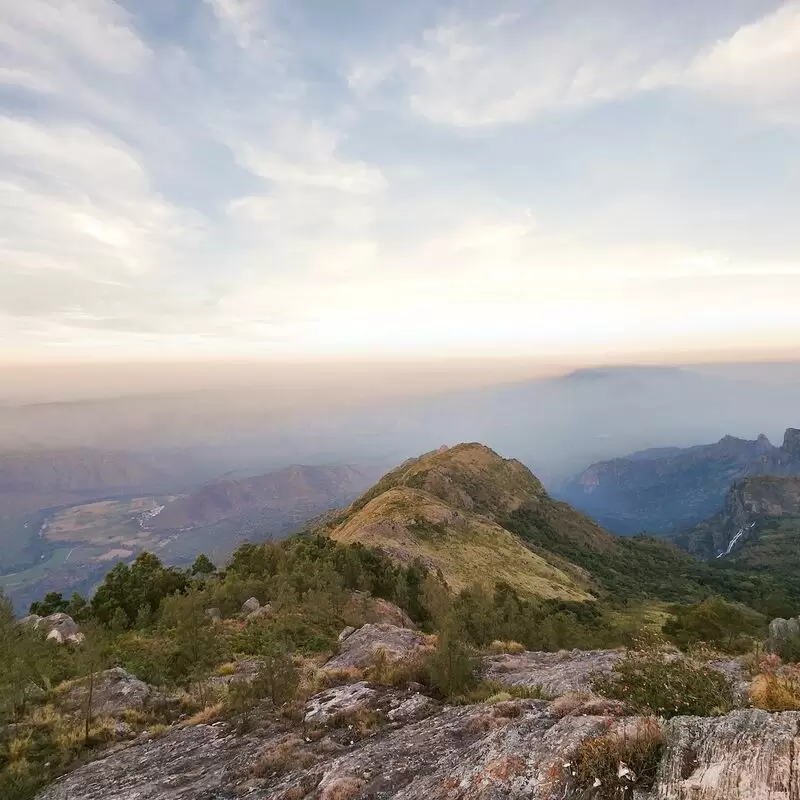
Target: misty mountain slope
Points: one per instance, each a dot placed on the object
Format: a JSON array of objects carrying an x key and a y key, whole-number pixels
[
  {"x": 480, "y": 518},
  {"x": 33, "y": 483},
  {"x": 662, "y": 490},
  {"x": 74, "y": 546},
  {"x": 307, "y": 487},
  {"x": 38, "y": 479}
]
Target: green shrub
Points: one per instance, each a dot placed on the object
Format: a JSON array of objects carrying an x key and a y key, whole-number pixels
[
  {"x": 716, "y": 621},
  {"x": 668, "y": 688},
  {"x": 451, "y": 668}
]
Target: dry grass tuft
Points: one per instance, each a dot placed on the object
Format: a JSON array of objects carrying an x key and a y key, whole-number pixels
[
  {"x": 620, "y": 761},
  {"x": 776, "y": 692},
  {"x": 157, "y": 730},
  {"x": 498, "y": 646},
  {"x": 205, "y": 715},
  {"x": 282, "y": 756},
  {"x": 346, "y": 788}
]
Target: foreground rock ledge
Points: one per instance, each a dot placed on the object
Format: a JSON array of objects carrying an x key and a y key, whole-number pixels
[{"x": 511, "y": 750}]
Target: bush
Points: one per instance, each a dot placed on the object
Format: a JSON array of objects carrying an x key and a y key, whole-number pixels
[
  {"x": 650, "y": 684},
  {"x": 728, "y": 626},
  {"x": 451, "y": 668},
  {"x": 613, "y": 766}
]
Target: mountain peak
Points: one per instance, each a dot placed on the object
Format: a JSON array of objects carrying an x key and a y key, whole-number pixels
[
  {"x": 473, "y": 477},
  {"x": 791, "y": 442},
  {"x": 448, "y": 508}
]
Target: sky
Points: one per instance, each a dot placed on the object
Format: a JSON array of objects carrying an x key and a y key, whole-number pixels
[{"x": 356, "y": 179}]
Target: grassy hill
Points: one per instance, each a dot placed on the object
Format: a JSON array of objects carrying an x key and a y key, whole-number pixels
[{"x": 480, "y": 518}]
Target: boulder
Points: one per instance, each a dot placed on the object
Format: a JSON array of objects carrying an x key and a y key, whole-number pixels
[
  {"x": 358, "y": 650},
  {"x": 415, "y": 707},
  {"x": 745, "y": 755},
  {"x": 366, "y": 608},
  {"x": 554, "y": 673},
  {"x": 250, "y": 605},
  {"x": 57, "y": 627},
  {"x": 261, "y": 611},
  {"x": 782, "y": 631},
  {"x": 340, "y": 700},
  {"x": 114, "y": 692}
]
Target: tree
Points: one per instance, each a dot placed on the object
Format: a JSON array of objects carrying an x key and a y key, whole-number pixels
[
  {"x": 27, "y": 662},
  {"x": 452, "y": 666},
  {"x": 278, "y": 675},
  {"x": 90, "y": 661},
  {"x": 78, "y": 607},
  {"x": 52, "y": 603},
  {"x": 146, "y": 582},
  {"x": 203, "y": 566},
  {"x": 196, "y": 647}
]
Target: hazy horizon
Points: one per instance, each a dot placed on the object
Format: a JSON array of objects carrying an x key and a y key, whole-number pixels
[{"x": 36, "y": 382}]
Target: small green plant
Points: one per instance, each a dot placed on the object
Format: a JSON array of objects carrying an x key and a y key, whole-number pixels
[
  {"x": 651, "y": 684},
  {"x": 493, "y": 692}
]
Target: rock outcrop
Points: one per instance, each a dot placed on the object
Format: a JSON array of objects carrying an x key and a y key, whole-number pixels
[
  {"x": 746, "y": 755},
  {"x": 463, "y": 753},
  {"x": 358, "y": 650},
  {"x": 377, "y": 610},
  {"x": 554, "y": 673},
  {"x": 114, "y": 691},
  {"x": 781, "y": 632},
  {"x": 58, "y": 627},
  {"x": 339, "y": 700},
  {"x": 264, "y": 611},
  {"x": 363, "y": 742},
  {"x": 250, "y": 605}
]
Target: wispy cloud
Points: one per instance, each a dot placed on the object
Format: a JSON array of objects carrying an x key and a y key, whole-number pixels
[
  {"x": 262, "y": 177},
  {"x": 246, "y": 20},
  {"x": 759, "y": 65},
  {"x": 508, "y": 69}
]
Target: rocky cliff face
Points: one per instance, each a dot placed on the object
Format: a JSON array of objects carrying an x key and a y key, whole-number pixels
[
  {"x": 791, "y": 443},
  {"x": 665, "y": 490},
  {"x": 749, "y": 503}
]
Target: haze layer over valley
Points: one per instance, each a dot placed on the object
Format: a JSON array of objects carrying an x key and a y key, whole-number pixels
[{"x": 83, "y": 464}]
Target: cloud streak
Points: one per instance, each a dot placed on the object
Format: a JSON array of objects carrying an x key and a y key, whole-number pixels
[{"x": 257, "y": 177}]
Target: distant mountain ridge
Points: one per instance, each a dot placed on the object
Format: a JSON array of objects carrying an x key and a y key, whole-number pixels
[
  {"x": 37, "y": 479},
  {"x": 667, "y": 489},
  {"x": 308, "y": 487}
]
